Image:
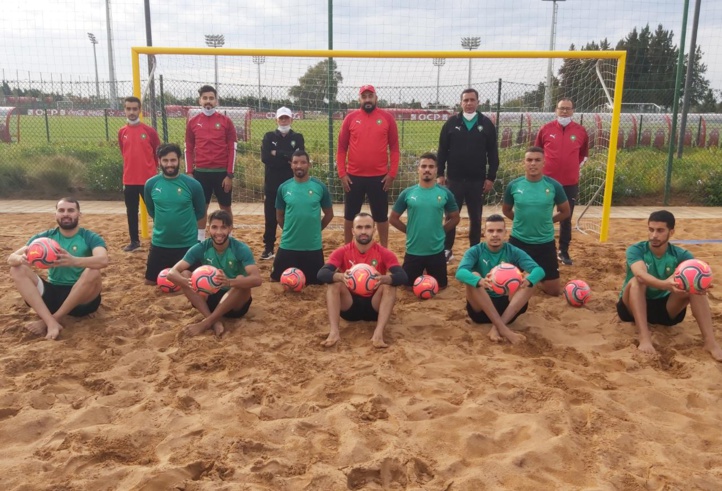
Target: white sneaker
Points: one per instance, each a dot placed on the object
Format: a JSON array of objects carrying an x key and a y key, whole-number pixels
[{"x": 448, "y": 255}]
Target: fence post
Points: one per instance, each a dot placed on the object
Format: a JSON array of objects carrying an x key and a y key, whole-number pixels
[
  {"x": 498, "y": 108},
  {"x": 639, "y": 131},
  {"x": 163, "y": 115},
  {"x": 107, "y": 132},
  {"x": 47, "y": 125}
]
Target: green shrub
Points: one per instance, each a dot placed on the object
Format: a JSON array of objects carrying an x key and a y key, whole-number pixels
[{"x": 105, "y": 174}]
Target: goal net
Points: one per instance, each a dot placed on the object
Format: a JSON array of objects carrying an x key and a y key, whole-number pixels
[{"x": 420, "y": 89}]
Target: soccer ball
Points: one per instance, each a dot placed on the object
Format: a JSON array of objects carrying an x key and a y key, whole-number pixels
[
  {"x": 505, "y": 279},
  {"x": 577, "y": 293},
  {"x": 205, "y": 280},
  {"x": 362, "y": 279},
  {"x": 293, "y": 280},
  {"x": 164, "y": 284},
  {"x": 43, "y": 252},
  {"x": 693, "y": 276},
  {"x": 426, "y": 286}
]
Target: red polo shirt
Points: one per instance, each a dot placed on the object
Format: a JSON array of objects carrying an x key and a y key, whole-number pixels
[
  {"x": 138, "y": 143},
  {"x": 367, "y": 139},
  {"x": 564, "y": 150},
  {"x": 347, "y": 256},
  {"x": 210, "y": 143}
]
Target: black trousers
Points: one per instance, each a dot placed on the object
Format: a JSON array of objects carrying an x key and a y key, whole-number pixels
[
  {"x": 565, "y": 226},
  {"x": 471, "y": 193},
  {"x": 270, "y": 190},
  {"x": 132, "y": 195}
]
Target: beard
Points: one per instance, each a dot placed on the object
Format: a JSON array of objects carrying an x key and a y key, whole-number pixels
[
  {"x": 170, "y": 171},
  {"x": 68, "y": 224},
  {"x": 364, "y": 239},
  {"x": 221, "y": 242},
  {"x": 368, "y": 106}
]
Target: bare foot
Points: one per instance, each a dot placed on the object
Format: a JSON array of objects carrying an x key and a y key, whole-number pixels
[
  {"x": 715, "y": 351},
  {"x": 195, "y": 329},
  {"x": 53, "y": 331},
  {"x": 331, "y": 340},
  {"x": 378, "y": 342},
  {"x": 218, "y": 328},
  {"x": 38, "y": 327},
  {"x": 494, "y": 335},
  {"x": 516, "y": 338},
  {"x": 646, "y": 347}
]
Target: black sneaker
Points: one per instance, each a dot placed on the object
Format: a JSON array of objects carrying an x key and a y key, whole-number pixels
[
  {"x": 448, "y": 255},
  {"x": 267, "y": 254},
  {"x": 564, "y": 258},
  {"x": 131, "y": 247}
]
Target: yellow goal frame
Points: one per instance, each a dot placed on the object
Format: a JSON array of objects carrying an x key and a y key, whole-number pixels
[{"x": 620, "y": 56}]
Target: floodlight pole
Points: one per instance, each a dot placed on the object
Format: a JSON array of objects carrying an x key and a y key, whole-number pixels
[
  {"x": 94, "y": 41},
  {"x": 111, "y": 59},
  {"x": 259, "y": 60},
  {"x": 470, "y": 43},
  {"x": 215, "y": 41},
  {"x": 550, "y": 64},
  {"x": 438, "y": 63}
]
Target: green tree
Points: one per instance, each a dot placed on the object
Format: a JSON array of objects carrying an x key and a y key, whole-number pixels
[
  {"x": 313, "y": 90},
  {"x": 699, "y": 89}
]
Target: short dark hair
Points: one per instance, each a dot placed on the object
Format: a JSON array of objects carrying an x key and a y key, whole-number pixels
[
  {"x": 221, "y": 215},
  {"x": 68, "y": 199},
  {"x": 534, "y": 150},
  {"x": 566, "y": 99},
  {"x": 429, "y": 156},
  {"x": 469, "y": 91},
  {"x": 495, "y": 218},
  {"x": 207, "y": 88},
  {"x": 662, "y": 216},
  {"x": 132, "y": 99},
  {"x": 167, "y": 148},
  {"x": 301, "y": 153},
  {"x": 363, "y": 214}
]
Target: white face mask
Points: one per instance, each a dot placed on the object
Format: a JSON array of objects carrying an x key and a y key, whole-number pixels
[
  {"x": 208, "y": 112},
  {"x": 564, "y": 121},
  {"x": 284, "y": 129},
  {"x": 134, "y": 122},
  {"x": 469, "y": 116}
]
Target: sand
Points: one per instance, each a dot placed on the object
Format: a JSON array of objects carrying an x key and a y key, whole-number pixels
[{"x": 123, "y": 401}]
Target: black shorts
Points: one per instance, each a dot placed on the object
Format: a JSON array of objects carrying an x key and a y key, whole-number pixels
[
  {"x": 361, "y": 310},
  {"x": 378, "y": 198},
  {"x": 545, "y": 255},
  {"x": 212, "y": 182},
  {"x": 160, "y": 258},
  {"x": 310, "y": 262},
  {"x": 215, "y": 299},
  {"x": 500, "y": 304},
  {"x": 656, "y": 312},
  {"x": 54, "y": 296},
  {"x": 435, "y": 265}
]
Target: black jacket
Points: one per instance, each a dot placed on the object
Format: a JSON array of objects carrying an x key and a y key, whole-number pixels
[
  {"x": 465, "y": 154},
  {"x": 284, "y": 146}
]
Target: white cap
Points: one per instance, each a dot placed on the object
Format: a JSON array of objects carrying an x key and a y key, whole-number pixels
[{"x": 284, "y": 111}]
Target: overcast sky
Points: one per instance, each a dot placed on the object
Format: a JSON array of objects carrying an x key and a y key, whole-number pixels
[{"x": 49, "y": 38}]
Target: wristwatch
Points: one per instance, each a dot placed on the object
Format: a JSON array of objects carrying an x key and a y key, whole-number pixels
[{"x": 230, "y": 174}]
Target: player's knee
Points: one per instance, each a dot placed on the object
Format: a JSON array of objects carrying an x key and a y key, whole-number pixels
[
  {"x": 17, "y": 272},
  {"x": 91, "y": 276}
]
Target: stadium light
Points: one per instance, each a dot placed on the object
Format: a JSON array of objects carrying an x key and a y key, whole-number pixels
[
  {"x": 438, "y": 63},
  {"x": 470, "y": 43},
  {"x": 94, "y": 41},
  {"x": 550, "y": 64},
  {"x": 259, "y": 60},
  {"x": 215, "y": 41}
]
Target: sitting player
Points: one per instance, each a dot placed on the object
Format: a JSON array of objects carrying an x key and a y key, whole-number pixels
[
  {"x": 238, "y": 269},
  {"x": 483, "y": 305},
  {"x": 341, "y": 302}
]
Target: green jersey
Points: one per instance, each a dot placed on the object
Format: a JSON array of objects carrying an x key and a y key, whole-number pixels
[
  {"x": 425, "y": 226},
  {"x": 533, "y": 203},
  {"x": 233, "y": 261},
  {"x": 660, "y": 267},
  {"x": 175, "y": 205},
  {"x": 479, "y": 259},
  {"x": 302, "y": 203},
  {"x": 79, "y": 245}
]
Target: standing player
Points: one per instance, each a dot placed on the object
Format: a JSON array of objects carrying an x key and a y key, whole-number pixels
[
  {"x": 649, "y": 294},
  {"x": 299, "y": 204},
  {"x": 240, "y": 273},
  {"x": 368, "y": 135},
  {"x": 341, "y": 303},
  {"x": 482, "y": 304},
  {"x": 74, "y": 282},
  {"x": 276, "y": 151},
  {"x": 467, "y": 145},
  {"x": 529, "y": 202},
  {"x": 566, "y": 147},
  {"x": 211, "y": 153},
  {"x": 432, "y": 213},
  {"x": 138, "y": 143},
  {"x": 176, "y": 204}
]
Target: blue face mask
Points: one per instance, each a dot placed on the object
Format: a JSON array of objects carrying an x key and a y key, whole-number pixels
[
  {"x": 208, "y": 112},
  {"x": 564, "y": 121}
]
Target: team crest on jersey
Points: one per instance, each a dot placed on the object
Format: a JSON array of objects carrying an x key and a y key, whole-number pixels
[
  {"x": 479, "y": 128},
  {"x": 574, "y": 137},
  {"x": 75, "y": 249},
  {"x": 547, "y": 190},
  {"x": 438, "y": 198},
  {"x": 378, "y": 121},
  {"x": 310, "y": 192},
  {"x": 374, "y": 263},
  {"x": 293, "y": 143},
  {"x": 218, "y": 126},
  {"x": 180, "y": 190},
  {"x": 143, "y": 136}
]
